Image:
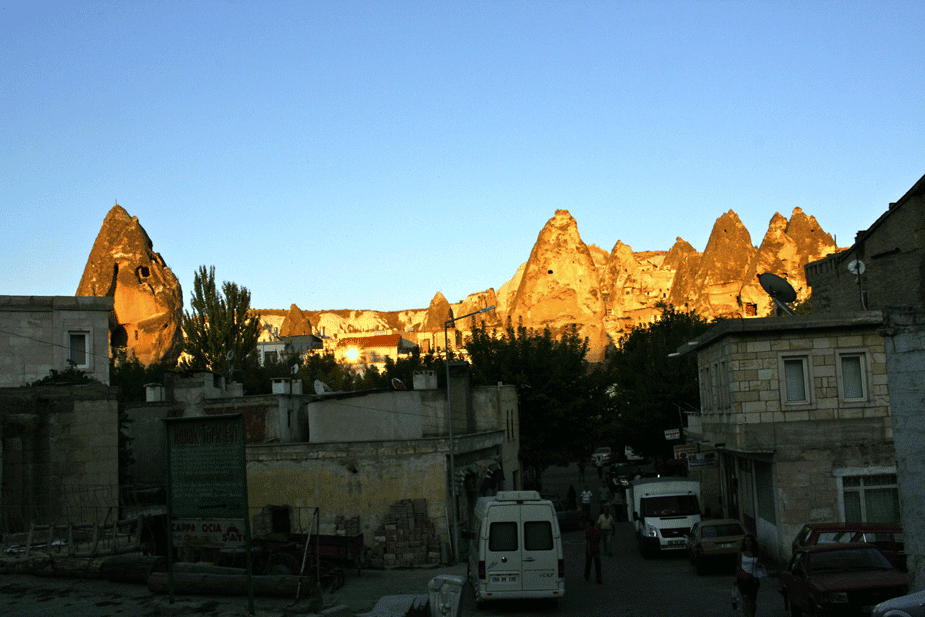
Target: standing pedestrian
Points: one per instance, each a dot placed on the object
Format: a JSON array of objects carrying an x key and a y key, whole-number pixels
[
  {"x": 571, "y": 497},
  {"x": 603, "y": 496},
  {"x": 586, "y": 496},
  {"x": 606, "y": 523},
  {"x": 749, "y": 573},
  {"x": 593, "y": 552}
]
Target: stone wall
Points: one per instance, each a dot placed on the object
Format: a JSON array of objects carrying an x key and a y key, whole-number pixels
[
  {"x": 904, "y": 332},
  {"x": 59, "y": 455}
]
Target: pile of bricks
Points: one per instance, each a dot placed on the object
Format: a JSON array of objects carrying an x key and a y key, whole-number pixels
[
  {"x": 347, "y": 526},
  {"x": 407, "y": 537}
]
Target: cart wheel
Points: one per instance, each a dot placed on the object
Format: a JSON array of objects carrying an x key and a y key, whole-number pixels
[{"x": 281, "y": 564}]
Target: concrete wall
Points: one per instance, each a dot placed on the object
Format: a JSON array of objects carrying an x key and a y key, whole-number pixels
[
  {"x": 38, "y": 341},
  {"x": 399, "y": 414},
  {"x": 904, "y": 332}
]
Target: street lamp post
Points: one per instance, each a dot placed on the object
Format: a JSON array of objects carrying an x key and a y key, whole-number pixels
[{"x": 454, "y": 527}]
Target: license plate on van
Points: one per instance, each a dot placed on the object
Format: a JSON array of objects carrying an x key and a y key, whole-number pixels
[{"x": 507, "y": 578}]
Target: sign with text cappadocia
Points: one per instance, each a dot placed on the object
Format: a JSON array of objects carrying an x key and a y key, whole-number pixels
[{"x": 206, "y": 474}]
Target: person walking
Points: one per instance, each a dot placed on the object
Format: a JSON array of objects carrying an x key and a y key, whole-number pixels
[
  {"x": 606, "y": 523},
  {"x": 593, "y": 552},
  {"x": 749, "y": 574},
  {"x": 586, "y": 496}
]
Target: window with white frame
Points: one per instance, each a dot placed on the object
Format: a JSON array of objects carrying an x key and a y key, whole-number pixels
[
  {"x": 796, "y": 384},
  {"x": 852, "y": 368},
  {"x": 871, "y": 498},
  {"x": 78, "y": 349}
]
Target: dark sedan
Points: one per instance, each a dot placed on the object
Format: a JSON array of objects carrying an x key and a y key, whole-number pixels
[{"x": 845, "y": 579}]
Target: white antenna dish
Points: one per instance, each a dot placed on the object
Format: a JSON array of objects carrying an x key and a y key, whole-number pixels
[
  {"x": 779, "y": 289},
  {"x": 398, "y": 384},
  {"x": 230, "y": 355},
  {"x": 322, "y": 388},
  {"x": 856, "y": 267},
  {"x": 295, "y": 369}
]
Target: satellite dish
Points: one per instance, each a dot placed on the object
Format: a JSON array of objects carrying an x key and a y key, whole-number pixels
[
  {"x": 322, "y": 388},
  {"x": 856, "y": 267},
  {"x": 230, "y": 355},
  {"x": 398, "y": 384},
  {"x": 779, "y": 289},
  {"x": 295, "y": 369}
]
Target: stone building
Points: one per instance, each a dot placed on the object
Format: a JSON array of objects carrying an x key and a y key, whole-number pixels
[
  {"x": 352, "y": 454},
  {"x": 39, "y": 334},
  {"x": 884, "y": 267},
  {"x": 799, "y": 411}
]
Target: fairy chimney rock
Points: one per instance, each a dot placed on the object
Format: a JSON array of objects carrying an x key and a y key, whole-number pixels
[{"x": 148, "y": 301}]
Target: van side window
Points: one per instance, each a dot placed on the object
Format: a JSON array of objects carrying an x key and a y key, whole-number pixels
[
  {"x": 538, "y": 536},
  {"x": 502, "y": 536}
]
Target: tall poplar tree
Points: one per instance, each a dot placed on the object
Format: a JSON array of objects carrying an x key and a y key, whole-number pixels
[{"x": 221, "y": 333}]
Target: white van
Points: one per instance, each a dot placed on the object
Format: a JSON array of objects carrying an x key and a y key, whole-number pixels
[{"x": 515, "y": 548}]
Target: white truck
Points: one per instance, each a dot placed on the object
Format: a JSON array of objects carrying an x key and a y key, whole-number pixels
[{"x": 663, "y": 511}]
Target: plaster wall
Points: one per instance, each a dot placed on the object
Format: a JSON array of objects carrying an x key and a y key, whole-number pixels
[
  {"x": 400, "y": 414},
  {"x": 350, "y": 479}
]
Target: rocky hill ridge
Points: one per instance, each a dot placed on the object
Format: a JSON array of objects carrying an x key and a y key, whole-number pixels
[{"x": 563, "y": 282}]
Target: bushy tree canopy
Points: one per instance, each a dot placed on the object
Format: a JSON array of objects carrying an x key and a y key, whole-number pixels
[
  {"x": 219, "y": 323},
  {"x": 650, "y": 387},
  {"x": 559, "y": 394}
]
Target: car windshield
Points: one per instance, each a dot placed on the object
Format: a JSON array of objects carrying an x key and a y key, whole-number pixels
[
  {"x": 670, "y": 505},
  {"x": 854, "y": 559}
]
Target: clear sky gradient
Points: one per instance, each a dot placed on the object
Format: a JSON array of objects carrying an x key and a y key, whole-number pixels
[{"x": 367, "y": 155}]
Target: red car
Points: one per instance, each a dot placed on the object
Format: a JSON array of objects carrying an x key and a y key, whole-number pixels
[
  {"x": 885, "y": 536},
  {"x": 839, "y": 579}
]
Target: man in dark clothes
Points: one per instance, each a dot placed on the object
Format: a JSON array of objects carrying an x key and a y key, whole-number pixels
[{"x": 593, "y": 552}]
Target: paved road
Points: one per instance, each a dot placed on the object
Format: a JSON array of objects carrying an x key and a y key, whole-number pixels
[{"x": 633, "y": 587}]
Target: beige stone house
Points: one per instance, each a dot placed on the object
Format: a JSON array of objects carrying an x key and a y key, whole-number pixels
[{"x": 799, "y": 410}]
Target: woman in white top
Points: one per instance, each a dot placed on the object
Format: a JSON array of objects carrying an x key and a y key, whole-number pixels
[{"x": 747, "y": 574}]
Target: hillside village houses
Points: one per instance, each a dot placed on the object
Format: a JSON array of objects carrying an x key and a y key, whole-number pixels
[{"x": 819, "y": 417}]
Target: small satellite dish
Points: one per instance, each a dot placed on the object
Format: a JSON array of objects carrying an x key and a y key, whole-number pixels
[
  {"x": 230, "y": 355},
  {"x": 322, "y": 388},
  {"x": 295, "y": 369},
  {"x": 779, "y": 289},
  {"x": 856, "y": 267},
  {"x": 398, "y": 384}
]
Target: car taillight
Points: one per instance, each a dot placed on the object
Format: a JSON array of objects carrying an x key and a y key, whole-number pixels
[
  {"x": 482, "y": 570},
  {"x": 561, "y": 568}
]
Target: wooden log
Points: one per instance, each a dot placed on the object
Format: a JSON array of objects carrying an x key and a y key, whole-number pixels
[{"x": 193, "y": 583}]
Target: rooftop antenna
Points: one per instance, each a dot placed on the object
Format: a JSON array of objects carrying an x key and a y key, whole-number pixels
[
  {"x": 322, "y": 388},
  {"x": 295, "y": 368},
  {"x": 398, "y": 384},
  {"x": 780, "y": 290}
]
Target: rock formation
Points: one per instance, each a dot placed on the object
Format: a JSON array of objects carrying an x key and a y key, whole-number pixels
[
  {"x": 296, "y": 323},
  {"x": 148, "y": 308},
  {"x": 560, "y": 285},
  {"x": 607, "y": 294}
]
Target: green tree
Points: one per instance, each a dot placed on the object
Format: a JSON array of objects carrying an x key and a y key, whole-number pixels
[
  {"x": 651, "y": 387},
  {"x": 558, "y": 393},
  {"x": 221, "y": 332}
]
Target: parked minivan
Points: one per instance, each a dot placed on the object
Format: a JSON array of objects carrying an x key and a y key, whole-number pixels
[
  {"x": 515, "y": 548},
  {"x": 885, "y": 536}
]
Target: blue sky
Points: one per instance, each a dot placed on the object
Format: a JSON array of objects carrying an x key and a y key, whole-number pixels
[{"x": 367, "y": 155}]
